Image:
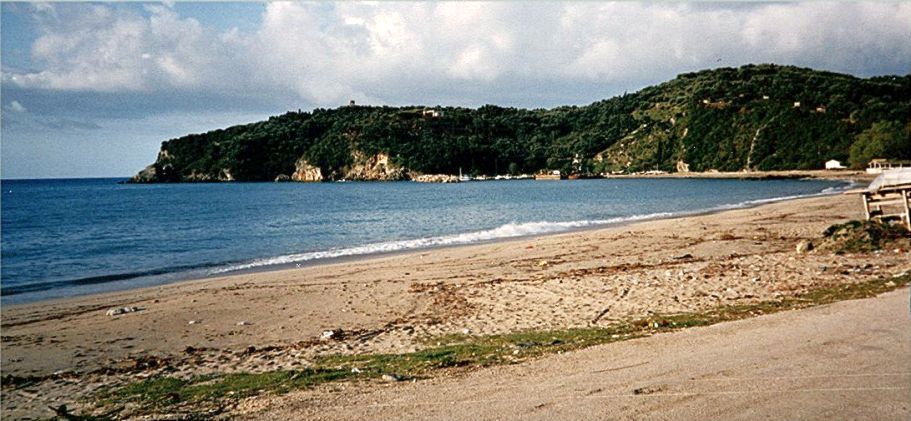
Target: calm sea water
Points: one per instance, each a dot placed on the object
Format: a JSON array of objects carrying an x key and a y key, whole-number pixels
[{"x": 68, "y": 237}]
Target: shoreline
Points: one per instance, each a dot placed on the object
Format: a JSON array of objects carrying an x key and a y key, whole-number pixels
[
  {"x": 850, "y": 180},
  {"x": 751, "y": 175}
]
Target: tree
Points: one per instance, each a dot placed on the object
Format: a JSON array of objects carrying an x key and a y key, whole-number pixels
[{"x": 884, "y": 139}]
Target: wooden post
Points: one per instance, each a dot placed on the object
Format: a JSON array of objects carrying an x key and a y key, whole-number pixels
[
  {"x": 906, "y": 196},
  {"x": 866, "y": 205}
]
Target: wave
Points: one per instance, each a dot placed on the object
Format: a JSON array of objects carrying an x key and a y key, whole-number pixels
[
  {"x": 506, "y": 231},
  {"x": 511, "y": 230}
]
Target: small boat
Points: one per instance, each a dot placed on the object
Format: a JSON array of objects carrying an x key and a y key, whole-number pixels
[{"x": 463, "y": 177}]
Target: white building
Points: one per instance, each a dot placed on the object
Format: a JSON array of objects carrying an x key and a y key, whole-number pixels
[
  {"x": 834, "y": 165},
  {"x": 877, "y": 166},
  {"x": 432, "y": 113}
]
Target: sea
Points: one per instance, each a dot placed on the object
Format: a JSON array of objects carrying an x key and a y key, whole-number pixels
[{"x": 68, "y": 237}]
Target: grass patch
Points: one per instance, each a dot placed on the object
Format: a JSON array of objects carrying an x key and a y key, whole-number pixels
[
  {"x": 454, "y": 352},
  {"x": 164, "y": 392}
]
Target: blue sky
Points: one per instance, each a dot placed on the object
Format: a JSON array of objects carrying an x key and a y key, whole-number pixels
[{"x": 92, "y": 89}]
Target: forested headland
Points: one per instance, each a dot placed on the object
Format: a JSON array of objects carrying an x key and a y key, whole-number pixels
[{"x": 755, "y": 117}]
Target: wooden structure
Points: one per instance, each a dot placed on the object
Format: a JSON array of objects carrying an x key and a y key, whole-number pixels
[
  {"x": 877, "y": 166},
  {"x": 889, "y": 196}
]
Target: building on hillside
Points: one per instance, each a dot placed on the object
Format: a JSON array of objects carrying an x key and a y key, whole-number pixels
[
  {"x": 877, "y": 166},
  {"x": 432, "y": 113},
  {"x": 833, "y": 164}
]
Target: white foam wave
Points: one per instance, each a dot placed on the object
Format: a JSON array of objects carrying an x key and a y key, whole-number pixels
[{"x": 511, "y": 230}]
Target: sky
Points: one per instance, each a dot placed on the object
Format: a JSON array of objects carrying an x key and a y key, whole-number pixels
[{"x": 92, "y": 89}]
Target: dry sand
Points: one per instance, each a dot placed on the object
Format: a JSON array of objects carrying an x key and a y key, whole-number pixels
[
  {"x": 846, "y": 361},
  {"x": 388, "y": 304}
]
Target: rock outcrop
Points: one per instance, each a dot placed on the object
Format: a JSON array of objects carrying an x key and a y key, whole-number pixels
[
  {"x": 200, "y": 177},
  {"x": 375, "y": 168},
  {"x": 683, "y": 167},
  {"x": 160, "y": 171},
  {"x": 305, "y": 172},
  {"x": 147, "y": 175}
]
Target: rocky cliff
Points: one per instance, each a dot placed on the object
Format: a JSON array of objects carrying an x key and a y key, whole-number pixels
[
  {"x": 305, "y": 172},
  {"x": 374, "y": 168}
]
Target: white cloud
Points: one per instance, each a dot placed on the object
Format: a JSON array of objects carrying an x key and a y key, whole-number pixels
[
  {"x": 324, "y": 54},
  {"x": 103, "y": 49},
  {"x": 16, "y": 107}
]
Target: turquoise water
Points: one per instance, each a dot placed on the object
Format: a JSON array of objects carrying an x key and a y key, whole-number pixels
[{"x": 67, "y": 237}]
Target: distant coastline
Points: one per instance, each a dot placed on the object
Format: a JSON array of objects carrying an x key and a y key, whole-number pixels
[{"x": 731, "y": 120}]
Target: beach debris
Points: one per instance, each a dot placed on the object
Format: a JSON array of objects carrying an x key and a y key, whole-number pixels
[
  {"x": 145, "y": 362},
  {"x": 392, "y": 378},
  {"x": 864, "y": 237},
  {"x": 466, "y": 331},
  {"x": 648, "y": 390},
  {"x": 244, "y": 323},
  {"x": 356, "y": 370},
  {"x": 542, "y": 263},
  {"x": 122, "y": 310},
  {"x": 332, "y": 334},
  {"x": 193, "y": 322},
  {"x": 65, "y": 413},
  {"x": 804, "y": 246}
]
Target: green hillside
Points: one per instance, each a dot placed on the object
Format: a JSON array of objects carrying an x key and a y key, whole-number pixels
[{"x": 759, "y": 117}]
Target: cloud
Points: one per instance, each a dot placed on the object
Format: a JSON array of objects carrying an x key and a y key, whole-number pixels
[
  {"x": 323, "y": 54},
  {"x": 69, "y": 124},
  {"x": 17, "y": 115},
  {"x": 16, "y": 107},
  {"x": 100, "y": 48}
]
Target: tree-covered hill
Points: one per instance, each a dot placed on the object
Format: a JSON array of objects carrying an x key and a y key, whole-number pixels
[{"x": 757, "y": 117}]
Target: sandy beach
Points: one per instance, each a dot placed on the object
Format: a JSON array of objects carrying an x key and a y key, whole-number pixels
[
  {"x": 846, "y": 361},
  {"x": 273, "y": 320}
]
